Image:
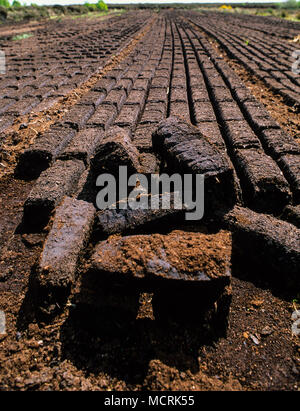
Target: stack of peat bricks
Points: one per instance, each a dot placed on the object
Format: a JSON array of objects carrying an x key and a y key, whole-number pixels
[{"x": 174, "y": 106}]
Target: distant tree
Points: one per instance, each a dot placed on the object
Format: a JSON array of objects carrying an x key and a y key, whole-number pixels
[
  {"x": 102, "y": 6},
  {"x": 290, "y": 4},
  {"x": 16, "y": 3},
  {"x": 4, "y": 3},
  {"x": 91, "y": 6}
]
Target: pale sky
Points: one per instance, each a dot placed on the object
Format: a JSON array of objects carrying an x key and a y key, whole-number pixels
[{"x": 66, "y": 2}]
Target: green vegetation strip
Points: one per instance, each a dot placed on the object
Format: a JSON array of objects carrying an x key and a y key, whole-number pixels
[
  {"x": 22, "y": 36},
  {"x": 14, "y": 11}
]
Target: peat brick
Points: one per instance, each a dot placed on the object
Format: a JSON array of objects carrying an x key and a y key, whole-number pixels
[
  {"x": 6, "y": 121},
  {"x": 199, "y": 156},
  {"x": 103, "y": 116},
  {"x": 222, "y": 94},
  {"x": 78, "y": 116},
  {"x": 163, "y": 82},
  {"x": 230, "y": 111},
  {"x": 199, "y": 94},
  {"x": 292, "y": 215},
  {"x": 124, "y": 84},
  {"x": 179, "y": 78},
  {"x": 84, "y": 145},
  {"x": 116, "y": 97},
  {"x": 258, "y": 116},
  {"x": 142, "y": 138},
  {"x": 179, "y": 257},
  {"x": 44, "y": 151},
  {"x": 240, "y": 135},
  {"x": 149, "y": 163},
  {"x": 262, "y": 123},
  {"x": 24, "y": 106},
  {"x": 94, "y": 98},
  {"x": 172, "y": 131},
  {"x": 204, "y": 112},
  {"x": 141, "y": 84},
  {"x": 154, "y": 112},
  {"x": 243, "y": 94},
  {"x": 157, "y": 94},
  {"x": 70, "y": 232},
  {"x": 116, "y": 73},
  {"x": 278, "y": 143},
  {"x": 128, "y": 116},
  {"x": 115, "y": 221},
  {"x": 268, "y": 246},
  {"x": 178, "y": 95},
  {"x": 162, "y": 72},
  {"x": 137, "y": 97},
  {"x": 104, "y": 84},
  {"x": 131, "y": 75},
  {"x": 6, "y": 103},
  {"x": 213, "y": 134},
  {"x": 116, "y": 149},
  {"x": 255, "y": 109},
  {"x": 187, "y": 150},
  {"x": 215, "y": 80},
  {"x": 290, "y": 164},
  {"x": 180, "y": 109},
  {"x": 53, "y": 184},
  {"x": 188, "y": 272},
  {"x": 264, "y": 187}
]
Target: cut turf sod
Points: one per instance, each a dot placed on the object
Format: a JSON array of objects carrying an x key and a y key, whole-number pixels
[
  {"x": 69, "y": 234},
  {"x": 53, "y": 184},
  {"x": 187, "y": 271}
]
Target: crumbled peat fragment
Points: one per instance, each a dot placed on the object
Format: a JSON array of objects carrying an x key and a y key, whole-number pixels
[
  {"x": 266, "y": 245},
  {"x": 187, "y": 271},
  {"x": 53, "y": 184},
  {"x": 116, "y": 149},
  {"x": 113, "y": 221},
  {"x": 187, "y": 150},
  {"x": 72, "y": 225},
  {"x": 84, "y": 145},
  {"x": 44, "y": 151}
]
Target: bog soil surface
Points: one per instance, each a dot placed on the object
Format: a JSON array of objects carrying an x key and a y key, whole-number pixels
[{"x": 80, "y": 98}]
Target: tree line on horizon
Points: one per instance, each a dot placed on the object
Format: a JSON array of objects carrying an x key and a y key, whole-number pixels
[{"x": 100, "y": 5}]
